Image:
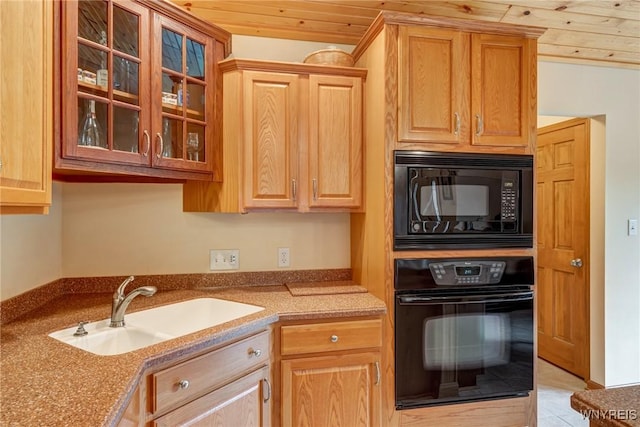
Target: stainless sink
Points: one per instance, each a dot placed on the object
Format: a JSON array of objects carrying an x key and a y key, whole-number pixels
[{"x": 155, "y": 325}]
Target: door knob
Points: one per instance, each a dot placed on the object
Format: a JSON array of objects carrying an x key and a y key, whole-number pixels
[{"x": 576, "y": 262}]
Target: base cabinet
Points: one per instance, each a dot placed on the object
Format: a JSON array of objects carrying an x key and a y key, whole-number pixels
[
  {"x": 243, "y": 402},
  {"x": 330, "y": 374},
  {"x": 226, "y": 386}
]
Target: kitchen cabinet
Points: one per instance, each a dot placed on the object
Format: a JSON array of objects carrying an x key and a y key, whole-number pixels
[
  {"x": 465, "y": 89},
  {"x": 330, "y": 373},
  {"x": 292, "y": 139},
  {"x": 139, "y": 91},
  {"x": 26, "y": 127},
  {"x": 227, "y": 386}
]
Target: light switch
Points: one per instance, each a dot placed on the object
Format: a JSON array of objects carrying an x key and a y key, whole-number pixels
[{"x": 633, "y": 227}]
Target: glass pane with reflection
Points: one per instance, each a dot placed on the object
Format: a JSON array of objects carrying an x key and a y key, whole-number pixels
[
  {"x": 195, "y": 143},
  {"x": 172, "y": 50},
  {"x": 195, "y": 59},
  {"x": 172, "y": 94},
  {"x": 125, "y": 80},
  {"x": 195, "y": 101},
  {"x": 125, "y": 31},
  {"x": 92, "y": 123},
  {"x": 126, "y": 132},
  {"x": 171, "y": 138},
  {"x": 92, "y": 20},
  {"x": 93, "y": 72}
]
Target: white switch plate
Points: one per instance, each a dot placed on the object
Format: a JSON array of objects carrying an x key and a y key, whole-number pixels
[
  {"x": 633, "y": 227},
  {"x": 283, "y": 257},
  {"x": 224, "y": 259}
]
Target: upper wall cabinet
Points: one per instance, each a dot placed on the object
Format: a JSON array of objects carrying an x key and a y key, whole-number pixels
[
  {"x": 26, "y": 111},
  {"x": 139, "y": 91},
  {"x": 458, "y": 88},
  {"x": 292, "y": 139}
]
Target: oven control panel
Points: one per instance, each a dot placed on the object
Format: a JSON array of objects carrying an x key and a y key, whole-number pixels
[{"x": 476, "y": 272}]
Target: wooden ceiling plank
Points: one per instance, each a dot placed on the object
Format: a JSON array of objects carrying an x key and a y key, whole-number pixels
[
  {"x": 288, "y": 9},
  {"x": 292, "y": 34},
  {"x": 624, "y": 9},
  {"x": 571, "y": 21},
  {"x": 587, "y": 53},
  {"x": 590, "y": 40},
  {"x": 473, "y": 9}
]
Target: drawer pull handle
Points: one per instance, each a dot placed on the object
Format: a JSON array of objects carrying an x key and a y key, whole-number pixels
[
  {"x": 268, "y": 393},
  {"x": 183, "y": 384},
  {"x": 256, "y": 353},
  {"x": 334, "y": 338}
]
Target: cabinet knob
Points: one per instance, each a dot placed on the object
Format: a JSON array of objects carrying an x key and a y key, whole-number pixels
[
  {"x": 256, "y": 352},
  {"x": 334, "y": 338},
  {"x": 183, "y": 384}
]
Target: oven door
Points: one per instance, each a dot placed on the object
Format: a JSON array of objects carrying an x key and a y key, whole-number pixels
[{"x": 465, "y": 347}]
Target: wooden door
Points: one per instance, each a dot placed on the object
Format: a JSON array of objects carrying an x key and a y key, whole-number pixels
[
  {"x": 335, "y": 141},
  {"x": 244, "y": 402},
  {"x": 502, "y": 73},
  {"x": 433, "y": 85},
  {"x": 563, "y": 245},
  {"x": 338, "y": 391},
  {"x": 271, "y": 112},
  {"x": 26, "y": 106}
]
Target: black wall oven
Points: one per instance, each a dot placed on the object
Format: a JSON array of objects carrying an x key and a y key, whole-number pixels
[
  {"x": 462, "y": 200},
  {"x": 463, "y": 330}
]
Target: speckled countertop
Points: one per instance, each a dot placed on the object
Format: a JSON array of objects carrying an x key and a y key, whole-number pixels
[
  {"x": 48, "y": 383},
  {"x": 612, "y": 407}
]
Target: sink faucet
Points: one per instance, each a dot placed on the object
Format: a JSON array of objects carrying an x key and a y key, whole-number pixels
[{"x": 121, "y": 302}]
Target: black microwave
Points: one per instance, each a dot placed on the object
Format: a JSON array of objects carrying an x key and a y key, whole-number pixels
[{"x": 462, "y": 200}]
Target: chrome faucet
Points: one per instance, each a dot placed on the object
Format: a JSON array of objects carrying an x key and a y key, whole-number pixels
[{"x": 121, "y": 302}]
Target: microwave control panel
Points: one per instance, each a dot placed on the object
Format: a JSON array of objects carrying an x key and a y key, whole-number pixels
[
  {"x": 509, "y": 200},
  {"x": 476, "y": 272}
]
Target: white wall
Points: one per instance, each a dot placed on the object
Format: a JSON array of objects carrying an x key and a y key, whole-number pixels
[
  {"x": 122, "y": 229},
  {"x": 582, "y": 91},
  {"x": 31, "y": 249}
]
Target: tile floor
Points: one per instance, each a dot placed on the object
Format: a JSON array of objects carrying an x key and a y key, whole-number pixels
[{"x": 555, "y": 387}]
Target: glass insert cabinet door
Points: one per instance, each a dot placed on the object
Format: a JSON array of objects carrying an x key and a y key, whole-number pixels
[
  {"x": 137, "y": 89},
  {"x": 106, "y": 56},
  {"x": 184, "y": 93}
]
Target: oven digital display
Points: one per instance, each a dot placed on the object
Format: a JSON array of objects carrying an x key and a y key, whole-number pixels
[{"x": 468, "y": 271}]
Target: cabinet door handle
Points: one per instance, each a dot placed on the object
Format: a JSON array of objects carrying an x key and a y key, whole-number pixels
[
  {"x": 378, "y": 374},
  {"x": 147, "y": 138},
  {"x": 479, "y": 125},
  {"x": 294, "y": 189},
  {"x": 456, "y": 128},
  {"x": 256, "y": 352},
  {"x": 268, "y": 393},
  {"x": 183, "y": 384},
  {"x": 159, "y": 154},
  {"x": 315, "y": 189},
  {"x": 334, "y": 338}
]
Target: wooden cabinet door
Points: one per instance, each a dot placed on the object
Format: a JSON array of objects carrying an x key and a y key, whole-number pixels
[
  {"x": 335, "y": 141},
  {"x": 341, "y": 390},
  {"x": 26, "y": 124},
  {"x": 244, "y": 402},
  {"x": 271, "y": 112},
  {"x": 433, "y": 85},
  {"x": 502, "y": 89}
]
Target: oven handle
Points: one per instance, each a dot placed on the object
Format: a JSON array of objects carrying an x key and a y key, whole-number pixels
[{"x": 476, "y": 299}]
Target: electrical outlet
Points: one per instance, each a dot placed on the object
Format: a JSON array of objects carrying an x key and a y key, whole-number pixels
[
  {"x": 224, "y": 259},
  {"x": 283, "y": 257}
]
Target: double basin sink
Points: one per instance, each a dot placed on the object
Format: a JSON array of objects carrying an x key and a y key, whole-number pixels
[{"x": 155, "y": 325}]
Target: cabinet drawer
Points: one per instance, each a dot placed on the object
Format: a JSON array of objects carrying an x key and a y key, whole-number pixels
[
  {"x": 320, "y": 337},
  {"x": 189, "y": 379}
]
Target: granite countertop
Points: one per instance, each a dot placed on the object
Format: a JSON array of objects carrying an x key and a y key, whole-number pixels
[
  {"x": 46, "y": 382},
  {"x": 612, "y": 407}
]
